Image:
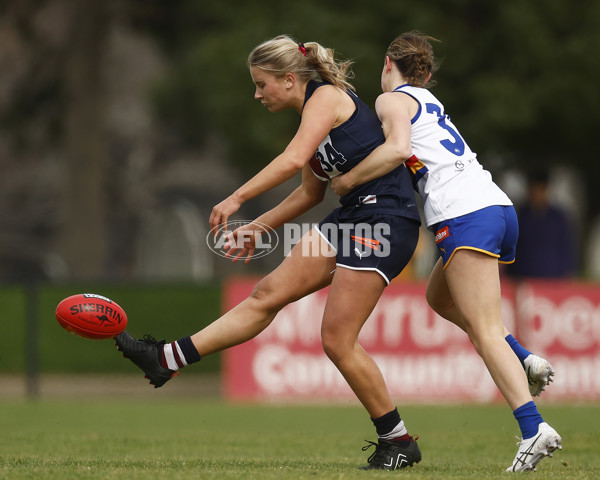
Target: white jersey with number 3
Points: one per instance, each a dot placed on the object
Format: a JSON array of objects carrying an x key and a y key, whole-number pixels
[{"x": 445, "y": 170}]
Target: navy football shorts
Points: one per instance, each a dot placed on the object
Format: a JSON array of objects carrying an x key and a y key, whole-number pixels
[
  {"x": 380, "y": 243},
  {"x": 492, "y": 230}
]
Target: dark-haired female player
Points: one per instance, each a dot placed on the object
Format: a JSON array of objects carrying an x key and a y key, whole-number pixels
[{"x": 474, "y": 223}]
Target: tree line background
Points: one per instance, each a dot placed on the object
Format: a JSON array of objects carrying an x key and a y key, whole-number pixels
[{"x": 122, "y": 122}]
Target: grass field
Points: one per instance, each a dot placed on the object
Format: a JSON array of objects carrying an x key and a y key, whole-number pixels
[{"x": 121, "y": 438}]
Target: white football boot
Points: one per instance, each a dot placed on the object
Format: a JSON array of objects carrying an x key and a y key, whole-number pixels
[
  {"x": 539, "y": 374},
  {"x": 532, "y": 450}
]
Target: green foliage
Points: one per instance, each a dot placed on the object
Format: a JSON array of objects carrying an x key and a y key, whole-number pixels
[
  {"x": 115, "y": 439},
  {"x": 518, "y": 77}
]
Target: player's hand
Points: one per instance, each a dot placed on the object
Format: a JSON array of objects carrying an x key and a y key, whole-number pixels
[
  {"x": 221, "y": 212},
  {"x": 342, "y": 184},
  {"x": 242, "y": 242}
]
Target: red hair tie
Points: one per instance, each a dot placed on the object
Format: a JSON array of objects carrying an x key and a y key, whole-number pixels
[{"x": 302, "y": 49}]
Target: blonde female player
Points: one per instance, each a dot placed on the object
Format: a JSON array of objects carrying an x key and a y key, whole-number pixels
[
  {"x": 474, "y": 223},
  {"x": 380, "y": 232}
]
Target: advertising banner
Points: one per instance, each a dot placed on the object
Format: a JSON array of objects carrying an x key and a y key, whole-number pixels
[
  {"x": 562, "y": 321},
  {"x": 423, "y": 357}
]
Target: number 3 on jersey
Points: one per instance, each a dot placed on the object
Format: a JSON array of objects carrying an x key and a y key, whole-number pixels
[
  {"x": 456, "y": 147},
  {"x": 329, "y": 157}
]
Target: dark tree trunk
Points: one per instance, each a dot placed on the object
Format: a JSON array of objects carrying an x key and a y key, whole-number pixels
[{"x": 85, "y": 231}]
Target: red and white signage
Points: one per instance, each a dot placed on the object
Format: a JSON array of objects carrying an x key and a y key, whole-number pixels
[
  {"x": 562, "y": 321},
  {"x": 423, "y": 357}
]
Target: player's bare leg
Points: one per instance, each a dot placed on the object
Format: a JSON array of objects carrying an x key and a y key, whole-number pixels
[
  {"x": 539, "y": 371},
  {"x": 352, "y": 297},
  {"x": 308, "y": 268},
  {"x": 474, "y": 283}
]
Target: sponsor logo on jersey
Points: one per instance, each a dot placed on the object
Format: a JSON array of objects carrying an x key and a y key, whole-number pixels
[
  {"x": 368, "y": 199},
  {"x": 442, "y": 234},
  {"x": 367, "y": 242}
]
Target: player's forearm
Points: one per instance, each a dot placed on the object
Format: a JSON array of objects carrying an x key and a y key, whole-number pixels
[
  {"x": 380, "y": 161},
  {"x": 297, "y": 203}
]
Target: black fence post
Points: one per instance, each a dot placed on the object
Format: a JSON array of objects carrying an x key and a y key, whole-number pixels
[{"x": 32, "y": 341}]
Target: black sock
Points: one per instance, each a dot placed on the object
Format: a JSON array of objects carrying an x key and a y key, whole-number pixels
[{"x": 390, "y": 427}]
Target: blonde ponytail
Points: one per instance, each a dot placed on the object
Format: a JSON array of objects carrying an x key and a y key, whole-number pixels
[{"x": 309, "y": 61}]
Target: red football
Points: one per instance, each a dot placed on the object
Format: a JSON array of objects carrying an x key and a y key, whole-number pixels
[{"x": 91, "y": 316}]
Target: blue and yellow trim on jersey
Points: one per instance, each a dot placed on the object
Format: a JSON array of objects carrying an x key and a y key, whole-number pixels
[{"x": 416, "y": 168}]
